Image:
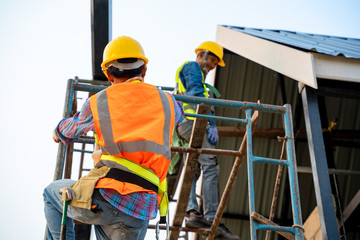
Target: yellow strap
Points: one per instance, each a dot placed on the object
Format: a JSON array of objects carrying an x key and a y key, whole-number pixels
[
  {"x": 164, "y": 202},
  {"x": 96, "y": 139},
  {"x": 135, "y": 168},
  {"x": 149, "y": 176}
]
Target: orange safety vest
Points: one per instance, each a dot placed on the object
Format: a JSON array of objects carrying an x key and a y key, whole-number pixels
[{"x": 135, "y": 121}]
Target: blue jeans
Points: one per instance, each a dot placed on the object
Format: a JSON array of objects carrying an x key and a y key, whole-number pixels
[
  {"x": 110, "y": 223},
  {"x": 210, "y": 183}
]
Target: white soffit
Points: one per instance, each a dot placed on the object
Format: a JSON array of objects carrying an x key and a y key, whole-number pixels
[
  {"x": 337, "y": 68},
  {"x": 293, "y": 63}
]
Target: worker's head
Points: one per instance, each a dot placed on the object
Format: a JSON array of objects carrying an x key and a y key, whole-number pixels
[
  {"x": 209, "y": 55},
  {"x": 123, "y": 58}
]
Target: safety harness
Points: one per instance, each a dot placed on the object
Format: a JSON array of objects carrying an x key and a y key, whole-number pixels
[{"x": 142, "y": 177}]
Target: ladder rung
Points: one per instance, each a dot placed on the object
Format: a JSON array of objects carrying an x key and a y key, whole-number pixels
[
  {"x": 83, "y": 151},
  {"x": 266, "y": 222},
  {"x": 260, "y": 226},
  {"x": 270, "y": 160}
]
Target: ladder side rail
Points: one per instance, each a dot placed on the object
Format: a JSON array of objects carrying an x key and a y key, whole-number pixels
[
  {"x": 62, "y": 148},
  {"x": 250, "y": 174},
  {"x": 292, "y": 169}
]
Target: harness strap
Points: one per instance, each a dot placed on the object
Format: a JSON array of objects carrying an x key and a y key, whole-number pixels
[
  {"x": 142, "y": 177},
  {"x": 137, "y": 169},
  {"x": 129, "y": 177}
]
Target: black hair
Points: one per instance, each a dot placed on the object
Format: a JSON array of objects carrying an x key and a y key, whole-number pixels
[{"x": 125, "y": 73}]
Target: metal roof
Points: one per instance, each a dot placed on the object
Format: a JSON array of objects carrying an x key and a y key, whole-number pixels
[{"x": 331, "y": 45}]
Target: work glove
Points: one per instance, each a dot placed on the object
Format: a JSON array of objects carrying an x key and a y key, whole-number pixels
[
  {"x": 67, "y": 193},
  {"x": 213, "y": 135}
]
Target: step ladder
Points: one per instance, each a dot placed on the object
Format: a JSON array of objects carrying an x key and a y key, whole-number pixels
[{"x": 257, "y": 222}]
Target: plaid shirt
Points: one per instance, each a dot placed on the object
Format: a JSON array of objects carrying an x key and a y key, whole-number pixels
[{"x": 140, "y": 205}]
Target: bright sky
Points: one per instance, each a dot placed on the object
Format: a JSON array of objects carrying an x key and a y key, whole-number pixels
[{"x": 44, "y": 43}]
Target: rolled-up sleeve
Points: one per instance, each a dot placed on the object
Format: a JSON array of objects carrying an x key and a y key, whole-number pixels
[
  {"x": 70, "y": 129},
  {"x": 179, "y": 112}
]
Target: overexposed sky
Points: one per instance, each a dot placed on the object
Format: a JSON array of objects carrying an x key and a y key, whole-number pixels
[{"x": 44, "y": 43}]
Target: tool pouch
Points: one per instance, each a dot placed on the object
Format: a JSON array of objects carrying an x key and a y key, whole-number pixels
[{"x": 84, "y": 187}]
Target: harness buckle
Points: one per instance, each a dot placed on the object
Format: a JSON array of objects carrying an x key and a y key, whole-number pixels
[{"x": 157, "y": 230}]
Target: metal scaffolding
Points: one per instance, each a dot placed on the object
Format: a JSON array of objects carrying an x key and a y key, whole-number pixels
[{"x": 257, "y": 222}]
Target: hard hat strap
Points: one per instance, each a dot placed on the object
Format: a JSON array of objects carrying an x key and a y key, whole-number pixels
[{"x": 206, "y": 53}]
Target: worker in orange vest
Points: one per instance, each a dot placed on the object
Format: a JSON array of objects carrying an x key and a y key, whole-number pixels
[{"x": 133, "y": 122}]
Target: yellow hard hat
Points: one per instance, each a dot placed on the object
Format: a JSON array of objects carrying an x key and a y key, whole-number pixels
[
  {"x": 214, "y": 48},
  {"x": 122, "y": 47}
]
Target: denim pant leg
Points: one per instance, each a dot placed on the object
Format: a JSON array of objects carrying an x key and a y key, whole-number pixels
[
  {"x": 210, "y": 168},
  {"x": 193, "y": 204},
  {"x": 54, "y": 208},
  {"x": 110, "y": 223}
]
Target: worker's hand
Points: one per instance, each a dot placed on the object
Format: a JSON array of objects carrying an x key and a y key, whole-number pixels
[
  {"x": 96, "y": 155},
  {"x": 213, "y": 135},
  {"x": 67, "y": 193},
  {"x": 55, "y": 137}
]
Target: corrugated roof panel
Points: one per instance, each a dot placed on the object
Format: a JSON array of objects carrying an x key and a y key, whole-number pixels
[{"x": 331, "y": 45}]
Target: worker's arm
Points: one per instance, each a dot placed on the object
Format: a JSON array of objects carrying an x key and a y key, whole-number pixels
[
  {"x": 192, "y": 79},
  {"x": 179, "y": 112},
  {"x": 70, "y": 129}
]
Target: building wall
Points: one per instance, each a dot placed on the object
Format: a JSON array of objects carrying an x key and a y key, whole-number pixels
[{"x": 244, "y": 80}]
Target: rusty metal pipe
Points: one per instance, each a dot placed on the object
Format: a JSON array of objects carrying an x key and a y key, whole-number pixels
[{"x": 206, "y": 151}]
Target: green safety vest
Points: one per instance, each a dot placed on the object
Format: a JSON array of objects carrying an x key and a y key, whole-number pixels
[{"x": 180, "y": 89}]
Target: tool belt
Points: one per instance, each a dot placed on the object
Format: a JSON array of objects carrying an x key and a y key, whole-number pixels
[{"x": 84, "y": 187}]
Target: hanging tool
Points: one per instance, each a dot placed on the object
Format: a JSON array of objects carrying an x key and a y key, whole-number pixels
[
  {"x": 67, "y": 195},
  {"x": 63, "y": 221}
]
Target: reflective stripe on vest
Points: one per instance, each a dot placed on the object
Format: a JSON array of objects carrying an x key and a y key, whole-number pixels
[
  {"x": 132, "y": 146},
  {"x": 180, "y": 89}
]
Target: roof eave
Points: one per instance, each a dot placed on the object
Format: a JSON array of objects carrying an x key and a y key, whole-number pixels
[{"x": 291, "y": 62}]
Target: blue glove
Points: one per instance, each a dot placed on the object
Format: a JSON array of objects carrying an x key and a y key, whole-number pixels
[{"x": 213, "y": 135}]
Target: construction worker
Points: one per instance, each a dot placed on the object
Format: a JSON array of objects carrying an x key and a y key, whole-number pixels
[
  {"x": 190, "y": 81},
  {"x": 133, "y": 122}
]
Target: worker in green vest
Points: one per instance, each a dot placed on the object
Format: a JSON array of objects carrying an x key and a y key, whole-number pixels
[{"x": 190, "y": 81}]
